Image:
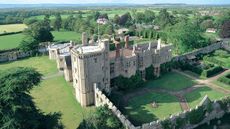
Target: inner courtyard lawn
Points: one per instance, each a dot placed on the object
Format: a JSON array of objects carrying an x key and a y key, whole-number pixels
[
  {"x": 171, "y": 81},
  {"x": 195, "y": 97},
  {"x": 140, "y": 109},
  {"x": 56, "y": 95},
  {"x": 41, "y": 63}
]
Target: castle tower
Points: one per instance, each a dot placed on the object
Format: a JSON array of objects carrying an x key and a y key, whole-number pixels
[{"x": 90, "y": 64}]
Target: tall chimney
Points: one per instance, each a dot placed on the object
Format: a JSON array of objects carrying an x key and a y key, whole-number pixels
[
  {"x": 84, "y": 39},
  {"x": 159, "y": 44},
  {"x": 126, "y": 41},
  {"x": 118, "y": 46}
]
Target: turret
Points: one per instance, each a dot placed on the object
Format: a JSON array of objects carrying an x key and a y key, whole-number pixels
[{"x": 159, "y": 44}]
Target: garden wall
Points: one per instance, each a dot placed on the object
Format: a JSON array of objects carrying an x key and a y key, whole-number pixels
[
  {"x": 15, "y": 54},
  {"x": 217, "y": 111}
]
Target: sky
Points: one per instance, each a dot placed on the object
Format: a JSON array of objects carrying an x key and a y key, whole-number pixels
[{"x": 114, "y": 1}]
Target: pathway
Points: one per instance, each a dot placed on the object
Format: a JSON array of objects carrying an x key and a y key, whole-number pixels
[
  {"x": 208, "y": 81},
  {"x": 180, "y": 94}
]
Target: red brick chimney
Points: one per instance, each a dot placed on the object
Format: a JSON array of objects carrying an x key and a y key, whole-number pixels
[
  {"x": 118, "y": 47},
  {"x": 126, "y": 41}
]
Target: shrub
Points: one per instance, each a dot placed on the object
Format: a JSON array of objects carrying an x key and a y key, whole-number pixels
[
  {"x": 225, "y": 79},
  {"x": 196, "y": 116},
  {"x": 214, "y": 61},
  {"x": 221, "y": 53},
  {"x": 149, "y": 74},
  {"x": 212, "y": 71}
]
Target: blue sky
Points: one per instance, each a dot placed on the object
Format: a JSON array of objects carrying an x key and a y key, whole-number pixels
[{"x": 115, "y": 1}]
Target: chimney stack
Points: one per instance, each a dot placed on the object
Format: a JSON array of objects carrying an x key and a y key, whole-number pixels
[
  {"x": 84, "y": 39},
  {"x": 118, "y": 47},
  {"x": 159, "y": 44},
  {"x": 126, "y": 41}
]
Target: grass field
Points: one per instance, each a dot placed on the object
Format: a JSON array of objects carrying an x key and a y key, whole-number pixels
[
  {"x": 171, "y": 81},
  {"x": 41, "y": 63},
  {"x": 66, "y": 36},
  {"x": 12, "y": 41},
  {"x": 56, "y": 95},
  {"x": 196, "y": 96},
  {"x": 222, "y": 84},
  {"x": 12, "y": 28},
  {"x": 140, "y": 110}
]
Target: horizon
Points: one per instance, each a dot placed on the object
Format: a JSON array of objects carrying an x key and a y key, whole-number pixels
[{"x": 189, "y": 2}]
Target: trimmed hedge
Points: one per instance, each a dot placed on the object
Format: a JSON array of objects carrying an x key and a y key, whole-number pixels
[
  {"x": 212, "y": 71},
  {"x": 10, "y": 33},
  {"x": 214, "y": 61},
  {"x": 225, "y": 79}
]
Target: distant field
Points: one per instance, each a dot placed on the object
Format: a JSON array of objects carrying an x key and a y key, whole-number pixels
[
  {"x": 12, "y": 41},
  {"x": 41, "y": 17},
  {"x": 12, "y": 28}
]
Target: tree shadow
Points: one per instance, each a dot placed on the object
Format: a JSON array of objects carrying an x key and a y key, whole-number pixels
[{"x": 52, "y": 121}]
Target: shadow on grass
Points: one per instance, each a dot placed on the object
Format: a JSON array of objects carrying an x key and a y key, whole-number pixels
[
  {"x": 52, "y": 121},
  {"x": 196, "y": 94}
]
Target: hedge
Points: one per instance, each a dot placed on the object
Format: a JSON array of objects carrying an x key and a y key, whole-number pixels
[
  {"x": 10, "y": 33},
  {"x": 225, "y": 79},
  {"x": 212, "y": 71},
  {"x": 214, "y": 61}
]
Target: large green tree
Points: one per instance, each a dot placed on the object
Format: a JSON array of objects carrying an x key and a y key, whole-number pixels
[
  {"x": 103, "y": 118},
  {"x": 57, "y": 22},
  {"x": 185, "y": 37},
  {"x": 17, "y": 110}
]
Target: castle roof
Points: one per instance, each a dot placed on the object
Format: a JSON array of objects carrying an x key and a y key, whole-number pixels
[{"x": 88, "y": 49}]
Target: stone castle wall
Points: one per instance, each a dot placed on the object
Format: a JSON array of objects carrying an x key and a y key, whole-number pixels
[
  {"x": 217, "y": 112},
  {"x": 204, "y": 50}
]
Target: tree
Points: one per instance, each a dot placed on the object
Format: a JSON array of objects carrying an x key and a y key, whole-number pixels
[
  {"x": 40, "y": 32},
  {"x": 149, "y": 16},
  {"x": 116, "y": 19},
  {"x": 126, "y": 20},
  {"x": 103, "y": 118},
  {"x": 186, "y": 38},
  {"x": 69, "y": 23},
  {"x": 206, "y": 24},
  {"x": 28, "y": 43},
  {"x": 225, "y": 29},
  {"x": 57, "y": 22},
  {"x": 164, "y": 18},
  {"x": 46, "y": 22},
  {"x": 139, "y": 17},
  {"x": 17, "y": 110}
]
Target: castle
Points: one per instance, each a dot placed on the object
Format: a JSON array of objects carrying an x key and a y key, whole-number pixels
[{"x": 91, "y": 63}]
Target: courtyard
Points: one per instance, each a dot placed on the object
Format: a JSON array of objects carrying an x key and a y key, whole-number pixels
[{"x": 172, "y": 93}]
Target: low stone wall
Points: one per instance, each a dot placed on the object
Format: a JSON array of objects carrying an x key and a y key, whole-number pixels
[
  {"x": 226, "y": 46},
  {"x": 101, "y": 99},
  {"x": 15, "y": 54},
  {"x": 217, "y": 112}
]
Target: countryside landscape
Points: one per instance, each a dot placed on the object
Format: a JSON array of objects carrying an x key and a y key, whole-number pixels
[{"x": 118, "y": 65}]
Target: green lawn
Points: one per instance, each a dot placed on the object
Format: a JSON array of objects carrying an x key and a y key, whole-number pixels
[
  {"x": 196, "y": 96},
  {"x": 42, "y": 63},
  {"x": 140, "y": 110},
  {"x": 222, "y": 84},
  {"x": 56, "y": 95},
  {"x": 12, "y": 28},
  {"x": 171, "y": 81},
  {"x": 225, "y": 60},
  {"x": 66, "y": 36},
  {"x": 12, "y": 41}
]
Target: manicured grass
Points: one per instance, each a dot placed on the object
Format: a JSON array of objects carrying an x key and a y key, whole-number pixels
[
  {"x": 66, "y": 36},
  {"x": 171, "y": 81},
  {"x": 10, "y": 41},
  {"x": 13, "y": 41},
  {"x": 12, "y": 28},
  {"x": 140, "y": 110},
  {"x": 56, "y": 95},
  {"x": 224, "y": 59},
  {"x": 222, "y": 84},
  {"x": 41, "y": 63},
  {"x": 195, "y": 97}
]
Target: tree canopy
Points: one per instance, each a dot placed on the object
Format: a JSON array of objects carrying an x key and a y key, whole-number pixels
[{"x": 17, "y": 110}]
